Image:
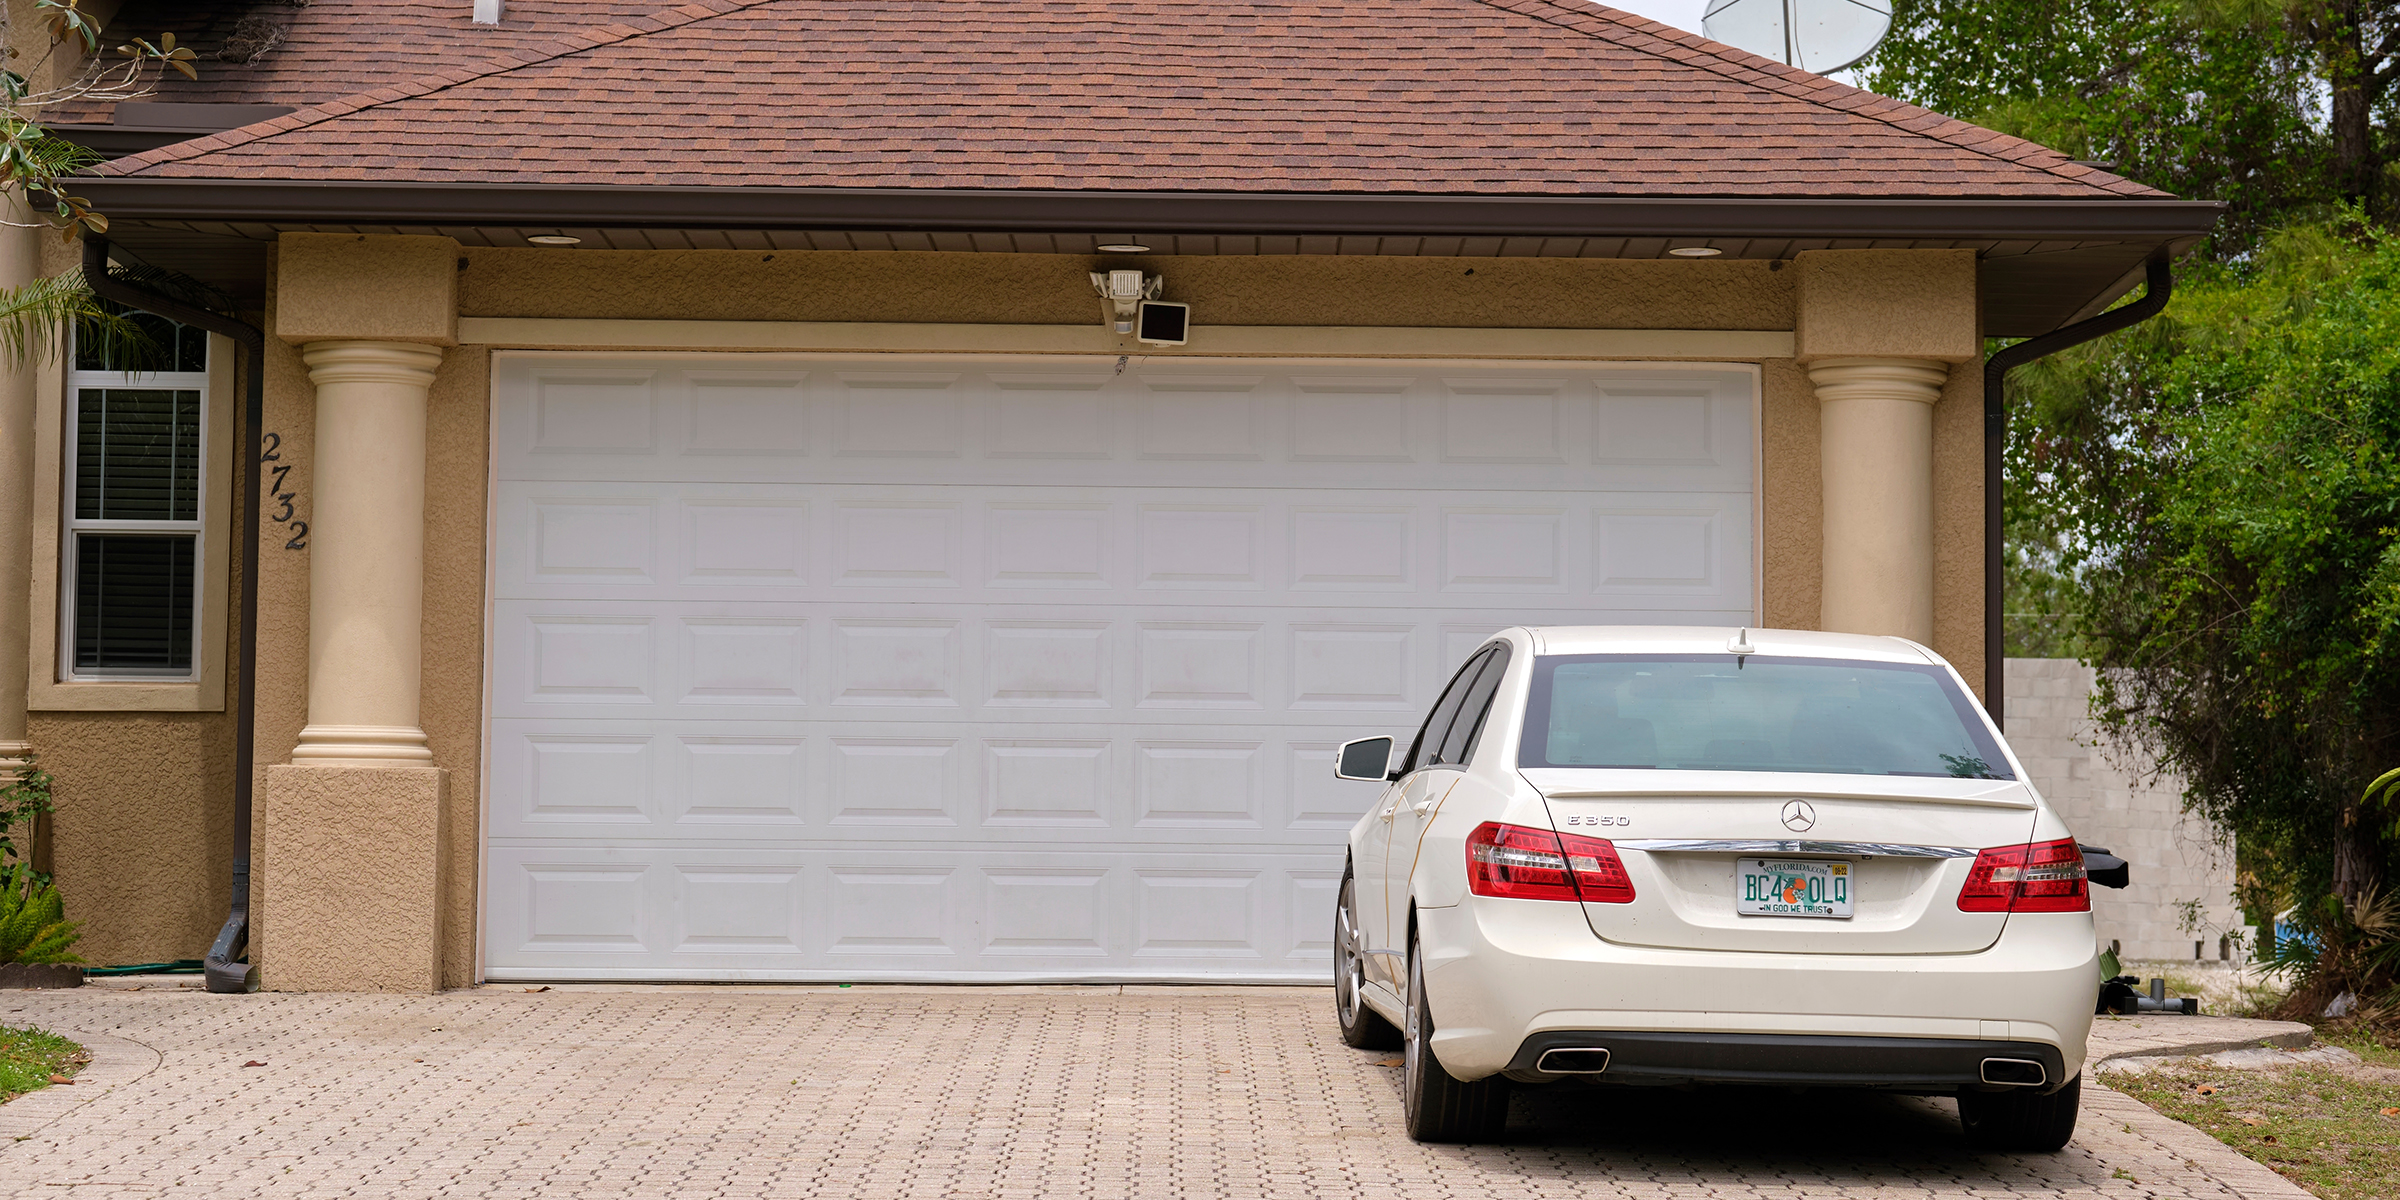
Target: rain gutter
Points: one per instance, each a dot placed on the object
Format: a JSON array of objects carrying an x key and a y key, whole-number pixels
[
  {"x": 1995, "y": 442},
  {"x": 1002, "y": 210}
]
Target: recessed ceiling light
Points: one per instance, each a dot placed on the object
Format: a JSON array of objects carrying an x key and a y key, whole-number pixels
[
  {"x": 1123, "y": 248},
  {"x": 1695, "y": 252},
  {"x": 554, "y": 239}
]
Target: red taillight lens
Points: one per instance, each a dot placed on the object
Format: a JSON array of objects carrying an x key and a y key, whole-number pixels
[
  {"x": 2041, "y": 877},
  {"x": 1536, "y": 864}
]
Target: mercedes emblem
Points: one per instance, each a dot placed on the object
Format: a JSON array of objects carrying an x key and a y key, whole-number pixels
[{"x": 1799, "y": 816}]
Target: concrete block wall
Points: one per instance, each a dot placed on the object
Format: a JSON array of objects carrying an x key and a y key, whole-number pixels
[{"x": 2100, "y": 790}]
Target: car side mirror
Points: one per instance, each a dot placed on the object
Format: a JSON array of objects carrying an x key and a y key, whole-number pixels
[
  {"x": 2104, "y": 869},
  {"x": 1366, "y": 758}
]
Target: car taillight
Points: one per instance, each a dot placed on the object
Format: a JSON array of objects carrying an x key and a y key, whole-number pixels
[
  {"x": 2041, "y": 877},
  {"x": 1535, "y": 864}
]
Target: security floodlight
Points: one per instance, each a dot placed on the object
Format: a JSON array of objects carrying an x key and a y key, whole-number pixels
[{"x": 1125, "y": 291}]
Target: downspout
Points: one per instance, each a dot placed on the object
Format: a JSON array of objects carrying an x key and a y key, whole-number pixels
[
  {"x": 1995, "y": 442},
  {"x": 222, "y": 972}
]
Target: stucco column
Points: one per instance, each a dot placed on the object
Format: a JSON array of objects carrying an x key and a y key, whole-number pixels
[
  {"x": 366, "y": 571},
  {"x": 20, "y": 263},
  {"x": 1876, "y": 440}
]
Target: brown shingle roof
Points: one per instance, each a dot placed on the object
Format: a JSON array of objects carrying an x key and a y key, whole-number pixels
[{"x": 1551, "y": 97}]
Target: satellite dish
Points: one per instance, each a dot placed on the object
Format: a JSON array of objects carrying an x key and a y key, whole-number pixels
[{"x": 1814, "y": 35}]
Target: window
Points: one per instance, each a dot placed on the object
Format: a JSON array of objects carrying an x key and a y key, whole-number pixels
[
  {"x": 135, "y": 474},
  {"x": 1426, "y": 750},
  {"x": 1468, "y": 728},
  {"x": 1712, "y": 712}
]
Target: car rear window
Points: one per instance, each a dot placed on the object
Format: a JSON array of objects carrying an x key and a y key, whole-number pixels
[{"x": 1714, "y": 712}]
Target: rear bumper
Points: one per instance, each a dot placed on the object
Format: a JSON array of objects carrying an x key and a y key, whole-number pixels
[
  {"x": 1912, "y": 1064},
  {"x": 1500, "y": 974}
]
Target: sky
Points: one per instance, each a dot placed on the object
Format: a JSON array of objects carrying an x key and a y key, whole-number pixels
[
  {"x": 1682, "y": 14},
  {"x": 1686, "y": 14}
]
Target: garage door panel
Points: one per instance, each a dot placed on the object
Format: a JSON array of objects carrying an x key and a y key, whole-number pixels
[
  {"x": 795, "y": 660},
  {"x": 1114, "y": 545},
  {"x": 862, "y": 782},
  {"x": 1196, "y": 424},
  {"x": 989, "y": 668},
  {"x": 563, "y": 913}
]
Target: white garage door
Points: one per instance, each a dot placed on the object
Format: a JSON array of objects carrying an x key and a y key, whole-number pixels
[{"x": 1027, "y": 668}]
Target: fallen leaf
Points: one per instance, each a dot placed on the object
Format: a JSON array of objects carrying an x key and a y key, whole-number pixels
[
  {"x": 545, "y": 987},
  {"x": 60, "y": 1079},
  {"x": 254, "y": 1063},
  {"x": 2205, "y": 1090},
  {"x": 1391, "y": 1062}
]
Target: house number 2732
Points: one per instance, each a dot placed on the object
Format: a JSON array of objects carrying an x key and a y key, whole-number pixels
[{"x": 271, "y": 456}]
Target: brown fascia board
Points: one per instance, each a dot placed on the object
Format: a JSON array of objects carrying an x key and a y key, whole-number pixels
[{"x": 996, "y": 210}]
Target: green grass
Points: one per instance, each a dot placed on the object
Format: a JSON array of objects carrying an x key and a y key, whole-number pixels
[
  {"x": 29, "y": 1057},
  {"x": 2334, "y": 1132}
]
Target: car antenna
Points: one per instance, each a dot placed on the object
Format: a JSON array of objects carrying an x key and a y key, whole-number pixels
[{"x": 1740, "y": 647}]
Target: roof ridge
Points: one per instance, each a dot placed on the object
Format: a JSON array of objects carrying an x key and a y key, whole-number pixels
[
  {"x": 691, "y": 12},
  {"x": 1742, "y": 66}
]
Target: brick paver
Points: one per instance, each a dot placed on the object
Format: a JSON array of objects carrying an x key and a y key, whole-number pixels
[{"x": 933, "y": 1092}]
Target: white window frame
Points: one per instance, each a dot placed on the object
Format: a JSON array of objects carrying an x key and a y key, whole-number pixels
[{"x": 72, "y": 526}]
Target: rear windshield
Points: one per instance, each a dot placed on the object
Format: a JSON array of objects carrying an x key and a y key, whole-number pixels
[{"x": 1713, "y": 712}]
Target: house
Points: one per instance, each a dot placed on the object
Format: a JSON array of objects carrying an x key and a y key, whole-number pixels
[{"x": 712, "y": 528}]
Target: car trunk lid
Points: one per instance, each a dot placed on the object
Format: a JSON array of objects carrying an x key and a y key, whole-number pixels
[{"x": 1903, "y": 846}]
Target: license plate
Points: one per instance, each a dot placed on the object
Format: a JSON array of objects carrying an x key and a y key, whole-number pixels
[{"x": 1776, "y": 887}]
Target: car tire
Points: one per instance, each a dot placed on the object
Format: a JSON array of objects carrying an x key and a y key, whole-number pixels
[
  {"x": 1362, "y": 1027},
  {"x": 1441, "y": 1108},
  {"x": 2021, "y": 1121}
]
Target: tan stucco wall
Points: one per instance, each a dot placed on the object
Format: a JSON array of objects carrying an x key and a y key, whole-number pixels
[
  {"x": 1887, "y": 304},
  {"x": 355, "y": 862},
  {"x": 170, "y": 878},
  {"x": 457, "y": 457},
  {"x": 142, "y": 843},
  {"x": 1055, "y": 289},
  {"x": 1958, "y": 525},
  {"x": 356, "y": 286},
  {"x": 1789, "y": 499},
  {"x": 457, "y": 454}
]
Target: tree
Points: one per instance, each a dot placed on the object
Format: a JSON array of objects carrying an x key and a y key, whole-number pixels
[
  {"x": 2207, "y": 506},
  {"x": 2215, "y": 105}
]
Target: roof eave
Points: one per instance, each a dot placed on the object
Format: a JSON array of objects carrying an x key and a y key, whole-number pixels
[{"x": 2142, "y": 219}]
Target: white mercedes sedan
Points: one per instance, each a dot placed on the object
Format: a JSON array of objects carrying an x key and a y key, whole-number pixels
[{"x": 1678, "y": 856}]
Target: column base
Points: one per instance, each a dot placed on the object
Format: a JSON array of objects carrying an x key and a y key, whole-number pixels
[
  {"x": 14, "y": 757},
  {"x": 350, "y": 878},
  {"x": 362, "y": 746}
]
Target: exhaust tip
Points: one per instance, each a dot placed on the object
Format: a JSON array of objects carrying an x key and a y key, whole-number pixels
[
  {"x": 1573, "y": 1060},
  {"x": 2014, "y": 1072}
]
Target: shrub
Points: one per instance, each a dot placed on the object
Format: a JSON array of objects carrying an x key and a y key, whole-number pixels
[{"x": 33, "y": 920}]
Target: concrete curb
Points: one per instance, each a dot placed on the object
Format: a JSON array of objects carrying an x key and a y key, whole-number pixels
[
  {"x": 2173, "y": 1037},
  {"x": 116, "y": 1062},
  {"x": 2116, "y": 1038}
]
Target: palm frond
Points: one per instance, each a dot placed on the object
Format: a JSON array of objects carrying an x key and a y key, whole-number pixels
[{"x": 32, "y": 316}]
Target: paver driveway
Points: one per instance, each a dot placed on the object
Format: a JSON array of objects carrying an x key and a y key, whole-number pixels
[{"x": 930, "y": 1092}]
